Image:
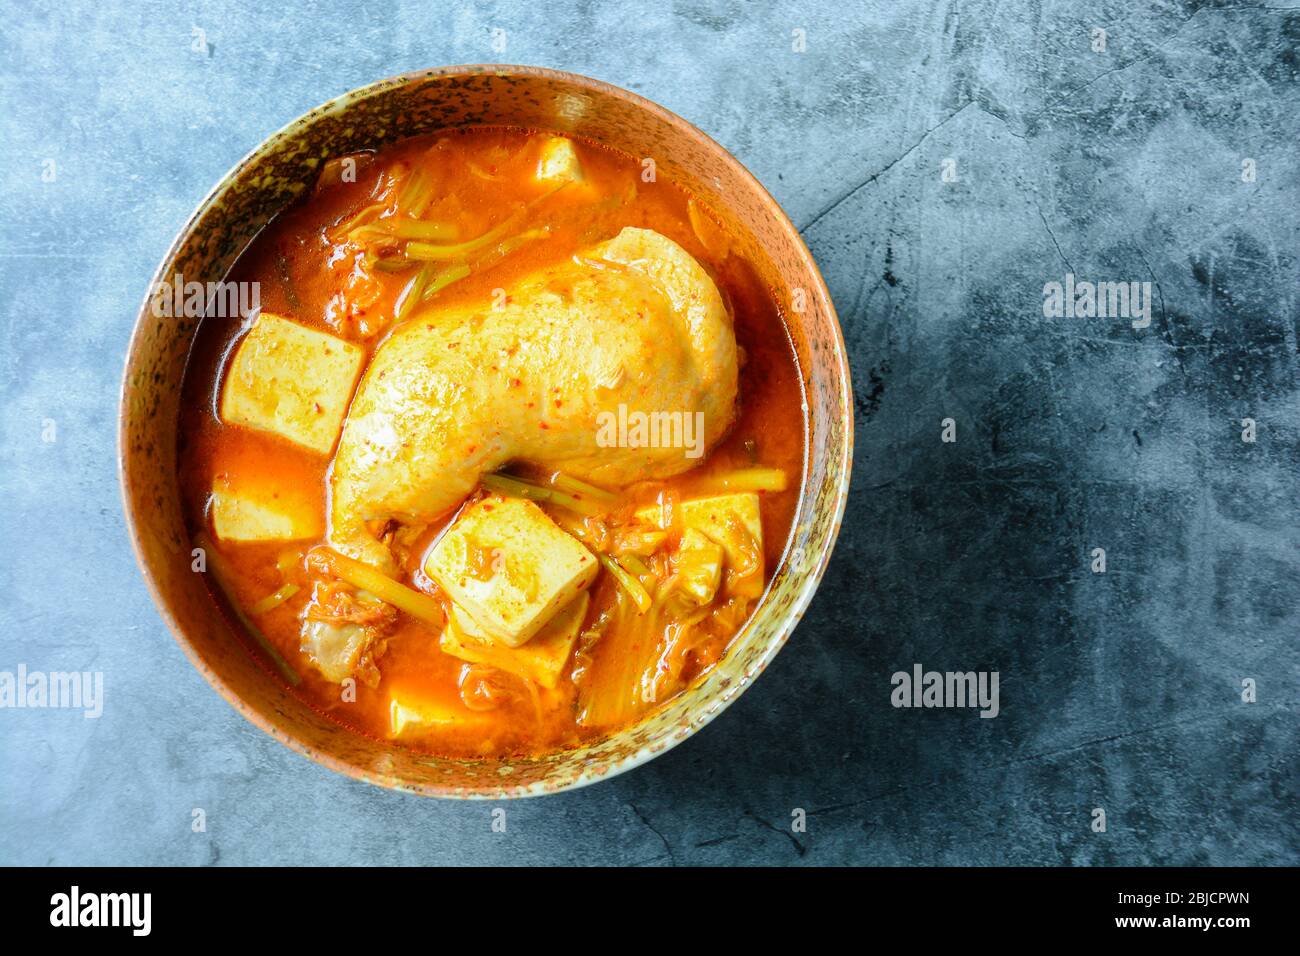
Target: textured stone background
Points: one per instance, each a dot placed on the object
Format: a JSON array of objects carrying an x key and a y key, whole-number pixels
[{"x": 1119, "y": 690}]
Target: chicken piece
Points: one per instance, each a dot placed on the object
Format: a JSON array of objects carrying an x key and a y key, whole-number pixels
[{"x": 457, "y": 392}]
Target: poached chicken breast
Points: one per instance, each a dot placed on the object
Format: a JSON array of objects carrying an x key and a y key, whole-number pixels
[{"x": 632, "y": 326}]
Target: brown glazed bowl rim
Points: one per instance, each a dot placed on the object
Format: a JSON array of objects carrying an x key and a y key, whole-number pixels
[{"x": 709, "y": 707}]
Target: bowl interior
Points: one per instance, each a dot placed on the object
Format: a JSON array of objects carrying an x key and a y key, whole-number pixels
[{"x": 278, "y": 172}]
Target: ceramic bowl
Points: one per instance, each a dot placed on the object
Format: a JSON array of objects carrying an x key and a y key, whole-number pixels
[{"x": 278, "y": 172}]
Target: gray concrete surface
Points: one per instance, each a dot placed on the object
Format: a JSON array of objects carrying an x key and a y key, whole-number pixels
[{"x": 1120, "y": 691}]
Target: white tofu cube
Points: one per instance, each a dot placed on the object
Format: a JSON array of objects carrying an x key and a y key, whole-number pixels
[
  {"x": 268, "y": 516},
  {"x": 510, "y": 567},
  {"x": 698, "y": 564},
  {"x": 292, "y": 381},
  {"x": 541, "y": 660},
  {"x": 412, "y": 716},
  {"x": 559, "y": 161},
  {"x": 733, "y": 521}
]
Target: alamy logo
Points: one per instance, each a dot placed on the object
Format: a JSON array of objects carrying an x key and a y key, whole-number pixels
[
  {"x": 71, "y": 690},
  {"x": 625, "y": 429},
  {"x": 922, "y": 688},
  {"x": 1100, "y": 300},
  {"x": 103, "y": 909},
  {"x": 222, "y": 300}
]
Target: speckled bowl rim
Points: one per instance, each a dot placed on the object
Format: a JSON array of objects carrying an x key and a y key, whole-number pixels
[{"x": 714, "y": 706}]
